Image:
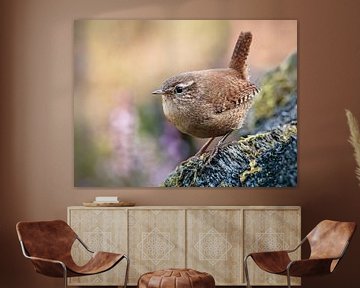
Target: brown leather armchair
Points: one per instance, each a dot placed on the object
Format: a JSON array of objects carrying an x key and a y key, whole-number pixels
[
  {"x": 328, "y": 242},
  {"x": 48, "y": 245}
]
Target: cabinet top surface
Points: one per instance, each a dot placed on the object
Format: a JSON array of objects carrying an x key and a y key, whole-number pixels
[{"x": 192, "y": 207}]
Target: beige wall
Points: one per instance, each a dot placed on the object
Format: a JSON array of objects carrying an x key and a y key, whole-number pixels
[{"x": 37, "y": 123}]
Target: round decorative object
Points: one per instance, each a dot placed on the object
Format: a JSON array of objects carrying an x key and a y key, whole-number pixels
[{"x": 176, "y": 278}]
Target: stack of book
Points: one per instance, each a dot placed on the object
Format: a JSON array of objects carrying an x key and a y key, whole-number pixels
[{"x": 106, "y": 199}]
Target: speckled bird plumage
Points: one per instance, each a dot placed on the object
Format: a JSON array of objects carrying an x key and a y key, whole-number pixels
[
  {"x": 214, "y": 102},
  {"x": 215, "y": 116}
]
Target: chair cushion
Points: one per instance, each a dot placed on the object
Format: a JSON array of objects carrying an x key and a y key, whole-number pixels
[{"x": 176, "y": 278}]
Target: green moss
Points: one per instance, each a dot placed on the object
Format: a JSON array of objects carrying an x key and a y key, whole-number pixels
[
  {"x": 255, "y": 145},
  {"x": 277, "y": 89}
]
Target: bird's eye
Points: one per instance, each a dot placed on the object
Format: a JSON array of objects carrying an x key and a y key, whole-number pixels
[{"x": 178, "y": 89}]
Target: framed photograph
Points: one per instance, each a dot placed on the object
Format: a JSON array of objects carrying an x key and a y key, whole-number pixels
[{"x": 185, "y": 103}]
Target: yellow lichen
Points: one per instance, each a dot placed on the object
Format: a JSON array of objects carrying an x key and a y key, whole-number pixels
[{"x": 253, "y": 169}]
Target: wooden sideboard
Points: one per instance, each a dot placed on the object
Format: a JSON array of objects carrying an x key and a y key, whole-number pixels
[{"x": 212, "y": 239}]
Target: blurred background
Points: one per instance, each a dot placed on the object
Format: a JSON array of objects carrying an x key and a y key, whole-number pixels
[{"x": 121, "y": 135}]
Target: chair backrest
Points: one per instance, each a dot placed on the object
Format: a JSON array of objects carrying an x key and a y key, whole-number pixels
[
  {"x": 329, "y": 239},
  {"x": 46, "y": 239}
]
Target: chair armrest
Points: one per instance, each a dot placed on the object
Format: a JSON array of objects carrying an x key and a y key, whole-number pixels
[
  {"x": 268, "y": 253},
  {"x": 45, "y": 260},
  {"x": 298, "y": 246},
  {"x": 281, "y": 251},
  {"x": 309, "y": 267},
  {"x": 84, "y": 245},
  {"x": 49, "y": 267}
]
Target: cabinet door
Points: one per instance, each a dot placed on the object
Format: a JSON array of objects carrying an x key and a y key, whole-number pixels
[
  {"x": 101, "y": 230},
  {"x": 214, "y": 244},
  {"x": 270, "y": 230},
  {"x": 156, "y": 240}
]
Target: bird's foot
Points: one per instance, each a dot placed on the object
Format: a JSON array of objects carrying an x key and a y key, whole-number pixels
[
  {"x": 216, "y": 149},
  {"x": 204, "y": 147},
  {"x": 211, "y": 156}
]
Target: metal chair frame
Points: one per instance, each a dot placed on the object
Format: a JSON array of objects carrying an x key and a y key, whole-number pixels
[
  {"x": 26, "y": 255},
  {"x": 288, "y": 276}
]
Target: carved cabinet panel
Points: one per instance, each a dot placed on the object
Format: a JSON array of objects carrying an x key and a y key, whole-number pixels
[
  {"x": 101, "y": 230},
  {"x": 270, "y": 230},
  {"x": 210, "y": 239},
  {"x": 156, "y": 240},
  {"x": 214, "y": 241}
]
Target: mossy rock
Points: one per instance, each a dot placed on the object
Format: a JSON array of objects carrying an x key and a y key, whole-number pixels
[
  {"x": 276, "y": 104},
  {"x": 263, "y": 160}
]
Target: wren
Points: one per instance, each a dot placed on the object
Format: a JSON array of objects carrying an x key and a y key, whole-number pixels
[{"x": 211, "y": 103}]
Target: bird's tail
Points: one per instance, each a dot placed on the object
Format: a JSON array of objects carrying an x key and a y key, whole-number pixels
[{"x": 241, "y": 51}]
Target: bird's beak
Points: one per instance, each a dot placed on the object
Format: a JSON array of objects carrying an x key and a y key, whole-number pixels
[{"x": 158, "y": 92}]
